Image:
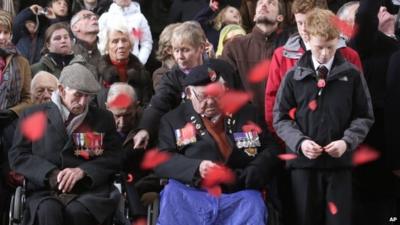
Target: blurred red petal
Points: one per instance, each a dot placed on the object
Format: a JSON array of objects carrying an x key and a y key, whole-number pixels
[
  {"x": 84, "y": 154},
  {"x": 259, "y": 72},
  {"x": 129, "y": 179},
  {"x": 153, "y": 158},
  {"x": 292, "y": 113},
  {"x": 287, "y": 156},
  {"x": 332, "y": 208},
  {"x": 218, "y": 175},
  {"x": 120, "y": 101},
  {"x": 344, "y": 27},
  {"x": 250, "y": 126},
  {"x": 214, "y": 89},
  {"x": 214, "y": 191},
  {"x": 232, "y": 101},
  {"x": 137, "y": 33},
  {"x": 189, "y": 131},
  {"x": 312, "y": 105},
  {"x": 364, "y": 154},
  {"x": 33, "y": 126},
  {"x": 140, "y": 221}
]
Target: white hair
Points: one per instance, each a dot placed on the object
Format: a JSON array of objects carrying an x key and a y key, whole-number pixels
[
  {"x": 116, "y": 24},
  {"x": 118, "y": 88},
  {"x": 343, "y": 12},
  {"x": 43, "y": 74}
]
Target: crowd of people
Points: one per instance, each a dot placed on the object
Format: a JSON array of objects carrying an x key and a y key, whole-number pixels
[{"x": 281, "y": 94}]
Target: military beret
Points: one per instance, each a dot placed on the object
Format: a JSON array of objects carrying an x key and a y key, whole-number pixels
[
  {"x": 200, "y": 76},
  {"x": 78, "y": 77}
]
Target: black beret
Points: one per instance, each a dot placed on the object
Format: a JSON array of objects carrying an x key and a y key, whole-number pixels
[{"x": 201, "y": 76}]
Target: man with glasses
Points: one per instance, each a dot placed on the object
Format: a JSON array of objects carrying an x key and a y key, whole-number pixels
[
  {"x": 85, "y": 27},
  {"x": 69, "y": 169},
  {"x": 218, "y": 139}
]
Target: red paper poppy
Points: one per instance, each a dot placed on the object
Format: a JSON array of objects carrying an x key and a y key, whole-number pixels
[
  {"x": 321, "y": 83},
  {"x": 364, "y": 154},
  {"x": 121, "y": 101},
  {"x": 232, "y": 101},
  {"x": 129, "y": 178},
  {"x": 292, "y": 113},
  {"x": 214, "y": 89},
  {"x": 312, "y": 105},
  {"x": 137, "y": 33},
  {"x": 259, "y": 72},
  {"x": 218, "y": 175},
  {"x": 33, "y": 126},
  {"x": 189, "y": 131},
  {"x": 332, "y": 208},
  {"x": 345, "y": 28},
  {"x": 250, "y": 126},
  {"x": 214, "y": 191},
  {"x": 153, "y": 158},
  {"x": 287, "y": 156}
]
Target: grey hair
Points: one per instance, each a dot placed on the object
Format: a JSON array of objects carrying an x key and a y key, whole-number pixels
[
  {"x": 116, "y": 24},
  {"x": 118, "y": 88},
  {"x": 42, "y": 74},
  {"x": 343, "y": 12}
]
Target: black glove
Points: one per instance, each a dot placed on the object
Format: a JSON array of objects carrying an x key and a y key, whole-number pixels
[{"x": 6, "y": 117}]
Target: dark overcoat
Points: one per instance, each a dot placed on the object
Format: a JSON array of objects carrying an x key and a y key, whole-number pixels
[{"x": 55, "y": 150}]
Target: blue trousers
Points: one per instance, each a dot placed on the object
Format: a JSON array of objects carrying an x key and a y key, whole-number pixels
[{"x": 182, "y": 205}]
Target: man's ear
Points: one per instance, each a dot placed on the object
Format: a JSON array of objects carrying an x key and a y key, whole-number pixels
[
  {"x": 280, "y": 18},
  {"x": 188, "y": 92}
]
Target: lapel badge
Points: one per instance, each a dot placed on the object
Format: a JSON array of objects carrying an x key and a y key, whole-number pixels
[
  {"x": 88, "y": 145},
  {"x": 251, "y": 151}
]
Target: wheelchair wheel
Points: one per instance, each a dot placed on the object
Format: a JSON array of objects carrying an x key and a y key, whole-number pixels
[
  {"x": 153, "y": 211},
  {"x": 17, "y": 206}
]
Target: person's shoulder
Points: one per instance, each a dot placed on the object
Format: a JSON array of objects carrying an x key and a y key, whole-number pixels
[{"x": 44, "y": 107}]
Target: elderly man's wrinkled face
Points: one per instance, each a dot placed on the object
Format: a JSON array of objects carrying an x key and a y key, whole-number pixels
[
  {"x": 119, "y": 45},
  {"x": 60, "y": 42},
  {"x": 5, "y": 36},
  {"x": 204, "y": 105},
  {"x": 42, "y": 90},
  {"x": 124, "y": 117},
  {"x": 73, "y": 100},
  {"x": 88, "y": 22}
]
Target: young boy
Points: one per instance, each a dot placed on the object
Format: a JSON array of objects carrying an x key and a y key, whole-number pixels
[{"x": 323, "y": 112}]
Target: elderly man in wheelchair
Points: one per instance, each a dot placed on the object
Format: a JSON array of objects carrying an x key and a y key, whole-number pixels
[
  {"x": 218, "y": 139},
  {"x": 69, "y": 170}
]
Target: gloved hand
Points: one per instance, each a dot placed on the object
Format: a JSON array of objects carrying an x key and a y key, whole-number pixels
[{"x": 6, "y": 117}]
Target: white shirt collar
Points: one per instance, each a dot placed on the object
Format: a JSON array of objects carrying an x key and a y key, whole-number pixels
[{"x": 328, "y": 65}]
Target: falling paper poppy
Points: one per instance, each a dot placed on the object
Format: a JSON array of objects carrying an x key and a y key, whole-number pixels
[
  {"x": 218, "y": 175},
  {"x": 364, "y": 154},
  {"x": 232, "y": 101},
  {"x": 214, "y": 89},
  {"x": 345, "y": 28},
  {"x": 188, "y": 131},
  {"x": 137, "y": 33},
  {"x": 312, "y": 105},
  {"x": 120, "y": 101},
  {"x": 250, "y": 126},
  {"x": 153, "y": 158},
  {"x": 292, "y": 113},
  {"x": 259, "y": 72},
  {"x": 214, "y": 191},
  {"x": 33, "y": 126},
  {"x": 287, "y": 156},
  {"x": 332, "y": 208}
]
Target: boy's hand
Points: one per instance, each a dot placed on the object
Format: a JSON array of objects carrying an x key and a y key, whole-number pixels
[
  {"x": 311, "y": 149},
  {"x": 36, "y": 9},
  {"x": 214, "y": 5},
  {"x": 336, "y": 148}
]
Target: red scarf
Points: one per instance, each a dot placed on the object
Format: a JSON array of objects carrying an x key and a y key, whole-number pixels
[{"x": 121, "y": 68}]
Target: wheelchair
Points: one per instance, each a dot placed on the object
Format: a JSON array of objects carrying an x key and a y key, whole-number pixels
[{"x": 18, "y": 206}]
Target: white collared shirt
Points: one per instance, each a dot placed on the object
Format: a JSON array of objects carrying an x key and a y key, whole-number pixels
[{"x": 328, "y": 65}]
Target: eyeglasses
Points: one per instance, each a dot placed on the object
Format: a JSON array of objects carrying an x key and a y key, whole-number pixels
[
  {"x": 86, "y": 16},
  {"x": 201, "y": 98}
]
